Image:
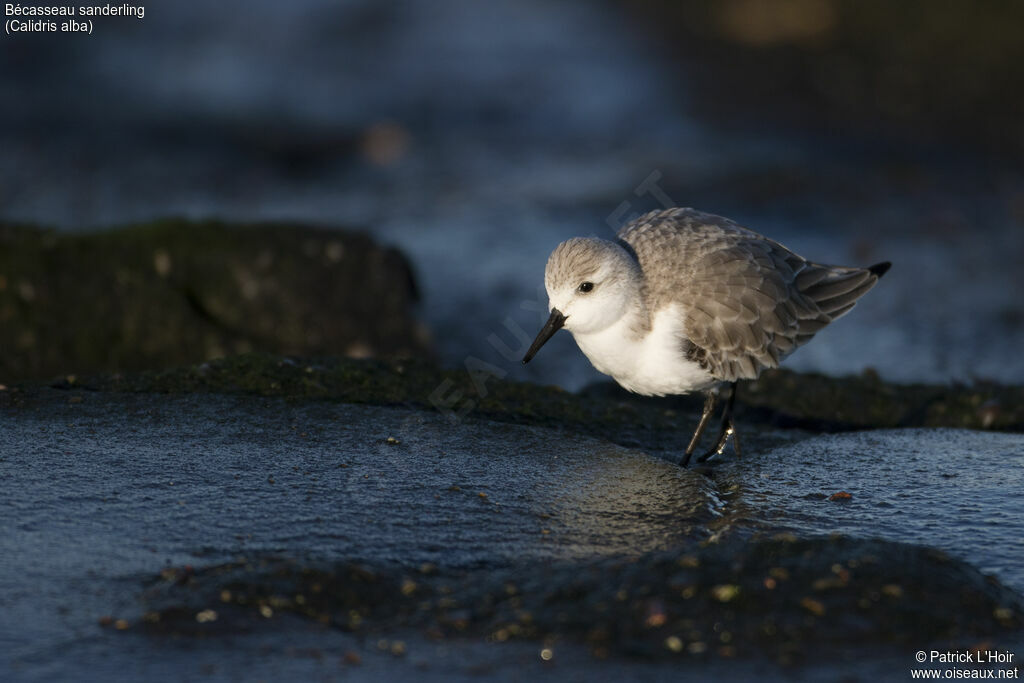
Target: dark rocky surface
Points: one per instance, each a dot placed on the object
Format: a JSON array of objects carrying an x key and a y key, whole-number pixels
[
  {"x": 788, "y": 600},
  {"x": 778, "y": 398},
  {"x": 171, "y": 292}
]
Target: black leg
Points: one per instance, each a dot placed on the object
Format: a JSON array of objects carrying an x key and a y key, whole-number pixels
[
  {"x": 709, "y": 407},
  {"x": 727, "y": 429}
]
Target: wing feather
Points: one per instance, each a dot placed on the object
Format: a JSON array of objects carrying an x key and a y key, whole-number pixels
[{"x": 747, "y": 302}]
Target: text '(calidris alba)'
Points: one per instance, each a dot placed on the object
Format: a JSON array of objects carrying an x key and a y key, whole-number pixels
[{"x": 687, "y": 301}]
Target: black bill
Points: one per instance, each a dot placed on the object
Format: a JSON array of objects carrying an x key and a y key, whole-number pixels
[{"x": 554, "y": 324}]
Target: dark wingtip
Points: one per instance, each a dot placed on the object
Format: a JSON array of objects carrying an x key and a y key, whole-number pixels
[{"x": 880, "y": 269}]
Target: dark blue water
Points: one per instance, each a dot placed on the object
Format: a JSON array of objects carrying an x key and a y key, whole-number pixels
[
  {"x": 102, "y": 494},
  {"x": 947, "y": 488},
  {"x": 476, "y": 137}
]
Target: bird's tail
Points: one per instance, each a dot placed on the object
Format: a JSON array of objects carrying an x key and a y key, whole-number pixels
[{"x": 835, "y": 289}]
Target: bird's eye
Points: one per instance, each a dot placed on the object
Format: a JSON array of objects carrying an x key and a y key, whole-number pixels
[{"x": 586, "y": 287}]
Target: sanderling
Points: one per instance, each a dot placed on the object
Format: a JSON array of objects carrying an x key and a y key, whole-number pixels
[{"x": 687, "y": 301}]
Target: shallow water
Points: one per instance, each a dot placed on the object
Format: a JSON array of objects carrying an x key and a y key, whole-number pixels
[
  {"x": 102, "y": 494},
  {"x": 952, "y": 489}
]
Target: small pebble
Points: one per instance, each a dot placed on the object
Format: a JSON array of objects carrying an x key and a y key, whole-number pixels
[
  {"x": 725, "y": 592},
  {"x": 206, "y": 616}
]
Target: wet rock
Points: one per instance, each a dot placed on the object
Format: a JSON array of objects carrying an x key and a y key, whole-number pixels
[
  {"x": 780, "y": 398},
  {"x": 173, "y": 292},
  {"x": 822, "y": 403},
  {"x": 787, "y": 599}
]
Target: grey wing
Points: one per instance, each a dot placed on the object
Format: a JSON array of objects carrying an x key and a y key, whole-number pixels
[
  {"x": 742, "y": 313},
  {"x": 747, "y": 301},
  {"x": 749, "y": 306}
]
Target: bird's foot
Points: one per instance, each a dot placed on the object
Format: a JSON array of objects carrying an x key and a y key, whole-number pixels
[
  {"x": 728, "y": 430},
  {"x": 709, "y": 408}
]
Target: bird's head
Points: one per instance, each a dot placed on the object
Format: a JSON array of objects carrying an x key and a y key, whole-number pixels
[{"x": 591, "y": 284}]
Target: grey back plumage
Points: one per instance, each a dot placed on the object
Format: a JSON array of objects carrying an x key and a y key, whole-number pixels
[{"x": 747, "y": 301}]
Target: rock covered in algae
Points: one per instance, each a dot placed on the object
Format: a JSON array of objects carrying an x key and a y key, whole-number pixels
[
  {"x": 174, "y": 292},
  {"x": 785, "y": 598}
]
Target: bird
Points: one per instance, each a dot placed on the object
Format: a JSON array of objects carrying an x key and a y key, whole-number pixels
[{"x": 684, "y": 301}]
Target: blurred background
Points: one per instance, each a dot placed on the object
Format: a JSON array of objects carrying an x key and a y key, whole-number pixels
[{"x": 473, "y": 137}]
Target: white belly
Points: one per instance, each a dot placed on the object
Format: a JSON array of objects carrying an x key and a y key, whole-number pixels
[{"x": 652, "y": 365}]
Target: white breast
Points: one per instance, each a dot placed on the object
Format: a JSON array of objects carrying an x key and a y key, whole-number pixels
[{"x": 653, "y": 364}]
